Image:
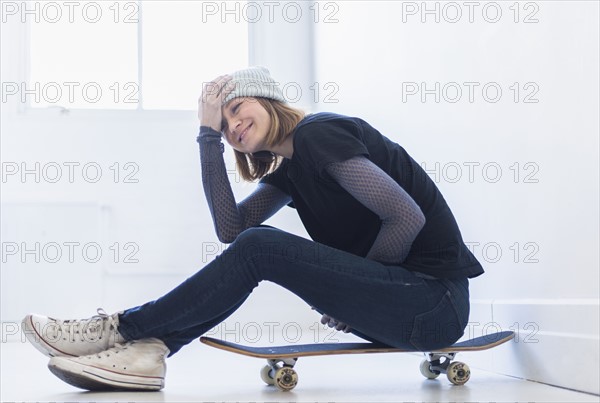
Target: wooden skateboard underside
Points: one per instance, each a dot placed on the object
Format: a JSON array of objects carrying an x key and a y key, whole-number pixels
[
  {"x": 306, "y": 350},
  {"x": 281, "y": 360}
]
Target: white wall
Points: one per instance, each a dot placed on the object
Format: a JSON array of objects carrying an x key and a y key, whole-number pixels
[
  {"x": 365, "y": 56},
  {"x": 550, "y": 288}
]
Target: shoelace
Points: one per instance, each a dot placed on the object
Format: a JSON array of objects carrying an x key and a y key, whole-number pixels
[{"x": 90, "y": 329}]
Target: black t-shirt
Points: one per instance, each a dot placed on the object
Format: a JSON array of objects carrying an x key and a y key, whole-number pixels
[{"x": 334, "y": 217}]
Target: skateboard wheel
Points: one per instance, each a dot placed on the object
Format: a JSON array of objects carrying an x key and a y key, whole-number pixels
[
  {"x": 265, "y": 375},
  {"x": 426, "y": 370},
  {"x": 458, "y": 373},
  {"x": 286, "y": 378}
]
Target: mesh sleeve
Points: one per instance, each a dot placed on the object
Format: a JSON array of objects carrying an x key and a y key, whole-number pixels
[
  {"x": 229, "y": 217},
  {"x": 401, "y": 218}
]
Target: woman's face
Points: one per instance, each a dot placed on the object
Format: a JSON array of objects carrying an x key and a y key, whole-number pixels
[{"x": 245, "y": 124}]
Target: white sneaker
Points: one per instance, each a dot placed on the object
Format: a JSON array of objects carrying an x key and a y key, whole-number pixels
[
  {"x": 135, "y": 365},
  {"x": 72, "y": 338}
]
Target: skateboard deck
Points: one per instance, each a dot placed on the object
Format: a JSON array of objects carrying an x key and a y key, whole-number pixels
[{"x": 281, "y": 359}]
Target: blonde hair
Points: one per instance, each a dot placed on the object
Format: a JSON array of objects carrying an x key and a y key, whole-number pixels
[{"x": 284, "y": 119}]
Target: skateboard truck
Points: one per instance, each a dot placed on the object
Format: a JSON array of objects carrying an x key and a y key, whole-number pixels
[{"x": 438, "y": 363}]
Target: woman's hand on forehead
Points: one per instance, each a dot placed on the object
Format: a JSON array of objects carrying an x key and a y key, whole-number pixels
[{"x": 211, "y": 100}]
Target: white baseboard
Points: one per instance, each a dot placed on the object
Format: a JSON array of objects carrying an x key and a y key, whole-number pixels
[{"x": 557, "y": 341}]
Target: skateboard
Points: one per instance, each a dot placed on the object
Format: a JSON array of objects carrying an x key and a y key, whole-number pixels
[{"x": 281, "y": 360}]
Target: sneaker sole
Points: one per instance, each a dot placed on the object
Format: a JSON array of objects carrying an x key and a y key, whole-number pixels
[{"x": 98, "y": 379}]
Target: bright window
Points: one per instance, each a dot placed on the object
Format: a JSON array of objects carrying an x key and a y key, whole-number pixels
[{"x": 130, "y": 55}]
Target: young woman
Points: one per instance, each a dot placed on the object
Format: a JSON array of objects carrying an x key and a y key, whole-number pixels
[{"x": 386, "y": 259}]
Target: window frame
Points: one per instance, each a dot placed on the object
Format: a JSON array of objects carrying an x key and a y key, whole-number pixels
[{"x": 258, "y": 54}]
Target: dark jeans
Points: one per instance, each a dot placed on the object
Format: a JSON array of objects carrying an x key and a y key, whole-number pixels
[{"x": 383, "y": 303}]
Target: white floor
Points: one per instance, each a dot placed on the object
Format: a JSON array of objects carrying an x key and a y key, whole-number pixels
[{"x": 199, "y": 373}]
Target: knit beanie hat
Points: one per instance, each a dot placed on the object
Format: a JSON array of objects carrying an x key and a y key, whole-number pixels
[{"x": 254, "y": 82}]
